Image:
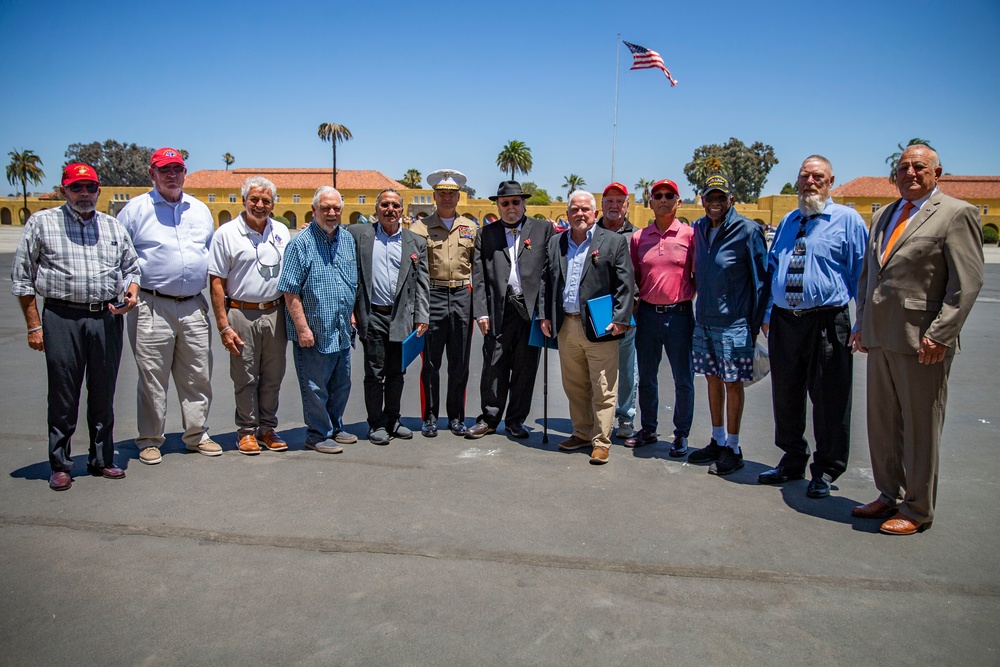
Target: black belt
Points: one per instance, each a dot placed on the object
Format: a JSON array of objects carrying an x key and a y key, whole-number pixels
[
  {"x": 90, "y": 307},
  {"x": 385, "y": 310},
  {"x": 679, "y": 307},
  {"x": 813, "y": 311},
  {"x": 515, "y": 297},
  {"x": 166, "y": 296},
  {"x": 451, "y": 284}
]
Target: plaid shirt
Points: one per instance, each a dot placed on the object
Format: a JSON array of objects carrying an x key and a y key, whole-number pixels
[{"x": 62, "y": 256}]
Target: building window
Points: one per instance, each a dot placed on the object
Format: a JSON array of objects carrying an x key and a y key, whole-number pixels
[
  {"x": 986, "y": 209},
  {"x": 416, "y": 199},
  {"x": 232, "y": 199},
  {"x": 876, "y": 207},
  {"x": 296, "y": 199},
  {"x": 850, "y": 204},
  {"x": 211, "y": 199},
  {"x": 362, "y": 199}
]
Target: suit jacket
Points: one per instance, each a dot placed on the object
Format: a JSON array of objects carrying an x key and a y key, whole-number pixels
[
  {"x": 929, "y": 280},
  {"x": 491, "y": 268},
  {"x": 411, "y": 304},
  {"x": 611, "y": 273}
]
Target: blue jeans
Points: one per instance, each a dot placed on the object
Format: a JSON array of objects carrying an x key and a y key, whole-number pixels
[
  {"x": 654, "y": 333},
  {"x": 625, "y": 412},
  {"x": 325, "y": 383}
]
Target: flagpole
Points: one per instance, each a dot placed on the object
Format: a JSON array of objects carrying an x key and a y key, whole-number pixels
[{"x": 614, "y": 136}]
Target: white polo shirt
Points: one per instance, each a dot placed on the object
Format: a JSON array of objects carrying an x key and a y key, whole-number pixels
[{"x": 249, "y": 262}]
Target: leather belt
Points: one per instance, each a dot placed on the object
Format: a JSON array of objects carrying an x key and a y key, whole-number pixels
[
  {"x": 89, "y": 307},
  {"x": 247, "y": 305},
  {"x": 679, "y": 307},
  {"x": 449, "y": 283},
  {"x": 167, "y": 296},
  {"x": 385, "y": 310},
  {"x": 573, "y": 316},
  {"x": 813, "y": 311}
]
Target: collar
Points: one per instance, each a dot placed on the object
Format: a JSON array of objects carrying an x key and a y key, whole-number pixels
[
  {"x": 381, "y": 233},
  {"x": 320, "y": 233},
  {"x": 626, "y": 227},
  {"x": 76, "y": 217},
  {"x": 919, "y": 203},
  {"x": 159, "y": 199},
  {"x": 247, "y": 230}
]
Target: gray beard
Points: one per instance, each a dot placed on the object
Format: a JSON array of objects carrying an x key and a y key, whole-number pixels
[
  {"x": 811, "y": 204},
  {"x": 83, "y": 208}
]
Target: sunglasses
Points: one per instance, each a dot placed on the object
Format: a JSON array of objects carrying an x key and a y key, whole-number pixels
[
  {"x": 91, "y": 188},
  {"x": 716, "y": 199},
  {"x": 511, "y": 202},
  {"x": 664, "y": 195},
  {"x": 173, "y": 169},
  {"x": 387, "y": 204}
]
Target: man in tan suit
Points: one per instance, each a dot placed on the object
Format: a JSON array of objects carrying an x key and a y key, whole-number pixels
[{"x": 923, "y": 270}]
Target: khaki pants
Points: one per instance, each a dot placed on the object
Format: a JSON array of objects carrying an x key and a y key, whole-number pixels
[
  {"x": 257, "y": 372},
  {"x": 590, "y": 379}
]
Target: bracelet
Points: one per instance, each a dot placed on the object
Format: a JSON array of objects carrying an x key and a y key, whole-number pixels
[
  {"x": 31, "y": 331},
  {"x": 224, "y": 329}
]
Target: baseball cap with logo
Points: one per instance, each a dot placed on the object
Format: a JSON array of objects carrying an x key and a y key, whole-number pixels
[
  {"x": 165, "y": 156},
  {"x": 665, "y": 183},
  {"x": 616, "y": 186},
  {"x": 76, "y": 172},
  {"x": 717, "y": 182}
]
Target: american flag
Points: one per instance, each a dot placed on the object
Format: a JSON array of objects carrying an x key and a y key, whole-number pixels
[{"x": 644, "y": 58}]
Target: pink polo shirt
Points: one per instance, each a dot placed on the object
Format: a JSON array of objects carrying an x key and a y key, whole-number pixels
[{"x": 663, "y": 263}]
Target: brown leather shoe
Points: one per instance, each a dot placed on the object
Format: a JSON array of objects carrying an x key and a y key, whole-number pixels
[
  {"x": 480, "y": 429},
  {"x": 60, "y": 481},
  {"x": 876, "y": 509},
  {"x": 900, "y": 524},
  {"x": 248, "y": 445},
  {"x": 599, "y": 455},
  {"x": 109, "y": 472},
  {"x": 572, "y": 443},
  {"x": 272, "y": 441}
]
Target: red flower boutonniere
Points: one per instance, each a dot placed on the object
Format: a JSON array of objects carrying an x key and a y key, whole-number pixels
[
  {"x": 414, "y": 258},
  {"x": 527, "y": 244},
  {"x": 595, "y": 256}
]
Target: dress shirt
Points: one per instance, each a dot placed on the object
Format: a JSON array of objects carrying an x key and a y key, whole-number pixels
[
  {"x": 387, "y": 252},
  {"x": 576, "y": 259},
  {"x": 514, "y": 248},
  {"x": 917, "y": 205},
  {"x": 323, "y": 272},
  {"x": 172, "y": 240},
  {"x": 249, "y": 262},
  {"x": 62, "y": 256},
  {"x": 664, "y": 263},
  {"x": 835, "y": 243}
]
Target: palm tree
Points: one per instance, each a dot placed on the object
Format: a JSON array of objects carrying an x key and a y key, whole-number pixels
[
  {"x": 335, "y": 134},
  {"x": 644, "y": 185},
  {"x": 515, "y": 157},
  {"x": 411, "y": 178},
  {"x": 184, "y": 154},
  {"x": 24, "y": 167},
  {"x": 228, "y": 159},
  {"x": 893, "y": 159},
  {"x": 573, "y": 182}
]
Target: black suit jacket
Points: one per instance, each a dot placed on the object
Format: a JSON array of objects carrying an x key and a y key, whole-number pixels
[
  {"x": 607, "y": 272},
  {"x": 491, "y": 268},
  {"x": 411, "y": 304}
]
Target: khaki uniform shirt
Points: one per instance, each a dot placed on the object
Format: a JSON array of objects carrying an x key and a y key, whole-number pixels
[{"x": 449, "y": 254}]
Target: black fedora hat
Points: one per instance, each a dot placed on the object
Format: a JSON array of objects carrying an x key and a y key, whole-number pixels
[{"x": 510, "y": 189}]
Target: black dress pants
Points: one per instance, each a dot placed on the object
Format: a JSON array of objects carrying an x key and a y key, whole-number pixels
[
  {"x": 449, "y": 331},
  {"x": 383, "y": 373},
  {"x": 509, "y": 369}
]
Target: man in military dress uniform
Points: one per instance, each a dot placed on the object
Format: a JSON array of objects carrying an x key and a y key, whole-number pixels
[{"x": 451, "y": 241}]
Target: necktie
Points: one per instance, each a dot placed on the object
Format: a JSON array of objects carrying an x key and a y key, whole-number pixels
[
  {"x": 796, "y": 267},
  {"x": 904, "y": 218}
]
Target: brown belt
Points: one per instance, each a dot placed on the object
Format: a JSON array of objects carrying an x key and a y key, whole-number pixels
[
  {"x": 247, "y": 305},
  {"x": 385, "y": 310},
  {"x": 574, "y": 316},
  {"x": 449, "y": 283}
]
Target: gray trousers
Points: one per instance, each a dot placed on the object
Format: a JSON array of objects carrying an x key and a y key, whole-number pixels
[{"x": 257, "y": 372}]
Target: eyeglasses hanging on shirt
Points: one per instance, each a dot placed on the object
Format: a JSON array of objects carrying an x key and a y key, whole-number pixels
[{"x": 268, "y": 260}]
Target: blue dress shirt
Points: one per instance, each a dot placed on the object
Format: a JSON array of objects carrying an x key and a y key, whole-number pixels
[
  {"x": 387, "y": 252},
  {"x": 576, "y": 258}
]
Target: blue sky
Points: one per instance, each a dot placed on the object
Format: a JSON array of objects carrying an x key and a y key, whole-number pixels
[{"x": 447, "y": 84}]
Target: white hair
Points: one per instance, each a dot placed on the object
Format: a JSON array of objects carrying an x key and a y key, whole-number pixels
[
  {"x": 258, "y": 182},
  {"x": 325, "y": 190},
  {"x": 581, "y": 193}
]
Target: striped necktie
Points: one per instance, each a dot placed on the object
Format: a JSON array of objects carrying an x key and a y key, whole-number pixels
[{"x": 797, "y": 267}]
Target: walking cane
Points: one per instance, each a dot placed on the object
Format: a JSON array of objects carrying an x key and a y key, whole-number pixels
[{"x": 545, "y": 390}]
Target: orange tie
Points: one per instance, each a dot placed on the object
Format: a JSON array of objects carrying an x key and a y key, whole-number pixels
[{"x": 900, "y": 227}]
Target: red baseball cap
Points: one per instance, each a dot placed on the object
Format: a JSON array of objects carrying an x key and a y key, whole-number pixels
[
  {"x": 665, "y": 183},
  {"x": 165, "y": 156},
  {"x": 616, "y": 186},
  {"x": 73, "y": 173}
]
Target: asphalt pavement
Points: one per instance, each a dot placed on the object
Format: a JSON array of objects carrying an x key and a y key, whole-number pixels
[{"x": 496, "y": 551}]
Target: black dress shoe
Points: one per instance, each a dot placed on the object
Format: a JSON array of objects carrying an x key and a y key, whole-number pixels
[
  {"x": 678, "y": 447},
  {"x": 818, "y": 488},
  {"x": 60, "y": 481},
  {"x": 457, "y": 426},
  {"x": 430, "y": 428},
  {"x": 110, "y": 472},
  {"x": 779, "y": 475},
  {"x": 479, "y": 430},
  {"x": 517, "y": 430}
]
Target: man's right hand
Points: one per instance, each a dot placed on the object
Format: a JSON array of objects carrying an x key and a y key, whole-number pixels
[
  {"x": 36, "y": 341},
  {"x": 484, "y": 325},
  {"x": 232, "y": 342},
  {"x": 854, "y": 342},
  {"x": 306, "y": 338}
]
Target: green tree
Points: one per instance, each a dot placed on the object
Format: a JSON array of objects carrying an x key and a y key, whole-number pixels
[
  {"x": 25, "y": 167},
  {"x": 515, "y": 157},
  {"x": 893, "y": 159},
  {"x": 184, "y": 154},
  {"x": 335, "y": 134},
  {"x": 644, "y": 185},
  {"x": 746, "y": 167},
  {"x": 573, "y": 182},
  {"x": 539, "y": 196},
  {"x": 469, "y": 192},
  {"x": 789, "y": 189},
  {"x": 117, "y": 163},
  {"x": 228, "y": 159},
  {"x": 412, "y": 178}
]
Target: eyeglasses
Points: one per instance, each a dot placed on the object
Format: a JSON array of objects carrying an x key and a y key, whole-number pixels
[
  {"x": 390, "y": 204},
  {"x": 330, "y": 209},
  {"x": 510, "y": 202},
  {"x": 171, "y": 169},
  {"x": 92, "y": 188},
  {"x": 664, "y": 195},
  {"x": 260, "y": 200}
]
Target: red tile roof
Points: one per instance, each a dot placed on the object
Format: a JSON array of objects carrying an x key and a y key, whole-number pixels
[
  {"x": 960, "y": 187},
  {"x": 291, "y": 179}
]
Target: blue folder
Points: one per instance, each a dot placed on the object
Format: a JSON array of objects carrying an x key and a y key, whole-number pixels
[
  {"x": 601, "y": 309},
  {"x": 413, "y": 345},
  {"x": 537, "y": 339}
]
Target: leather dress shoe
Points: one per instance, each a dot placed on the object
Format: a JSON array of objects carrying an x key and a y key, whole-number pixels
[
  {"x": 429, "y": 428},
  {"x": 819, "y": 487},
  {"x": 109, "y": 472},
  {"x": 779, "y": 475},
  {"x": 60, "y": 481},
  {"x": 643, "y": 437},
  {"x": 271, "y": 441},
  {"x": 599, "y": 455},
  {"x": 679, "y": 447},
  {"x": 900, "y": 524},
  {"x": 876, "y": 509},
  {"x": 573, "y": 443},
  {"x": 457, "y": 426},
  {"x": 517, "y": 430},
  {"x": 479, "y": 430},
  {"x": 248, "y": 445}
]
